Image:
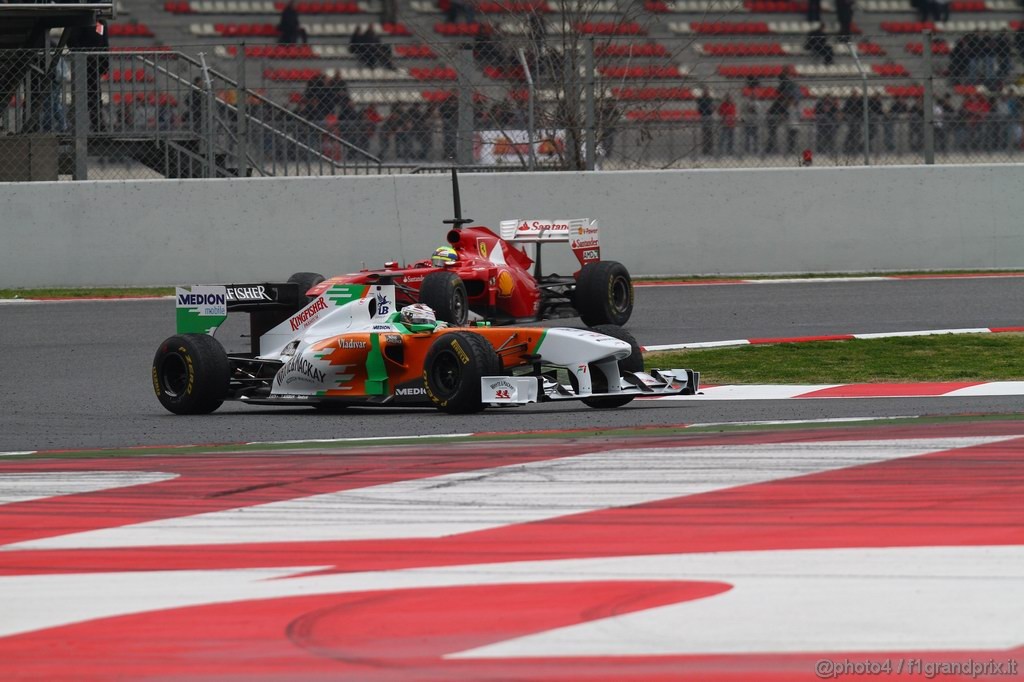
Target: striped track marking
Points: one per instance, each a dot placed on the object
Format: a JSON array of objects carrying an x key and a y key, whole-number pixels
[
  {"x": 490, "y": 498},
  {"x": 830, "y": 337},
  {"x": 24, "y": 487},
  {"x": 751, "y": 556},
  {"x": 951, "y": 389},
  {"x": 728, "y": 281}
]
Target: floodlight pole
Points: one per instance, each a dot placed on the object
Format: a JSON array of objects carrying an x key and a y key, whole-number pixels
[{"x": 529, "y": 108}]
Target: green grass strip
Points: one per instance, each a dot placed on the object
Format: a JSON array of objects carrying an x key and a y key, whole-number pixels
[
  {"x": 946, "y": 357},
  {"x": 88, "y": 292}
]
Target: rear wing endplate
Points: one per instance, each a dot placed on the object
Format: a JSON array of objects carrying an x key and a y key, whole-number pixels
[{"x": 582, "y": 234}]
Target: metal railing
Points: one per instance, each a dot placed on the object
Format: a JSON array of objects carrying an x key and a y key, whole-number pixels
[{"x": 584, "y": 102}]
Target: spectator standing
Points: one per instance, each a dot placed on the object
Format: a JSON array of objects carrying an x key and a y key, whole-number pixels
[
  {"x": 94, "y": 39},
  {"x": 751, "y": 122},
  {"x": 826, "y": 117},
  {"x": 817, "y": 45},
  {"x": 814, "y": 11},
  {"x": 54, "y": 115},
  {"x": 896, "y": 116},
  {"x": 853, "y": 114},
  {"x": 288, "y": 26},
  {"x": 844, "y": 12},
  {"x": 788, "y": 90},
  {"x": 706, "y": 110},
  {"x": 940, "y": 112},
  {"x": 389, "y": 12},
  {"x": 876, "y": 114},
  {"x": 454, "y": 9},
  {"x": 727, "y": 125},
  {"x": 778, "y": 112},
  {"x": 915, "y": 113},
  {"x": 194, "y": 102},
  {"x": 940, "y": 10},
  {"x": 793, "y": 118}
]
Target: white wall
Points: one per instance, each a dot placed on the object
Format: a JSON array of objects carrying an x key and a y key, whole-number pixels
[{"x": 656, "y": 222}]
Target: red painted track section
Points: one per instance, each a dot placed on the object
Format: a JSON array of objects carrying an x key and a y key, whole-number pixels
[{"x": 962, "y": 498}]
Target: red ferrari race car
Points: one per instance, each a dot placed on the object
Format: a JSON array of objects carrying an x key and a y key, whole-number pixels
[{"x": 493, "y": 277}]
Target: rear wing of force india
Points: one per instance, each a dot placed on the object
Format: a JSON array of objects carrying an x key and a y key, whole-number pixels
[
  {"x": 582, "y": 234},
  {"x": 201, "y": 309}
]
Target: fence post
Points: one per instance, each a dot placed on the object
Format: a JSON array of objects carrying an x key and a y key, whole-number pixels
[
  {"x": 531, "y": 134},
  {"x": 242, "y": 112},
  {"x": 929, "y": 101},
  {"x": 589, "y": 114},
  {"x": 80, "y": 100},
  {"x": 211, "y": 161},
  {"x": 464, "y": 138}
]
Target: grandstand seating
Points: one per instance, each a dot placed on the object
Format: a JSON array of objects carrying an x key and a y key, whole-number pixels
[{"x": 653, "y": 57}]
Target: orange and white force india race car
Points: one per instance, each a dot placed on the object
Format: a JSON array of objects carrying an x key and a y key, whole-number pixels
[{"x": 350, "y": 346}]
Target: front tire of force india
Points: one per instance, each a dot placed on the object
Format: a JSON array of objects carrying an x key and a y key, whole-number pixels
[
  {"x": 452, "y": 371},
  {"x": 445, "y": 292},
  {"x": 604, "y": 293},
  {"x": 634, "y": 362},
  {"x": 191, "y": 374}
]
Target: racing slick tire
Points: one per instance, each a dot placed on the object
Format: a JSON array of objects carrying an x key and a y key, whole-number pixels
[
  {"x": 634, "y": 362},
  {"x": 191, "y": 374},
  {"x": 445, "y": 292},
  {"x": 604, "y": 293},
  {"x": 306, "y": 281},
  {"x": 452, "y": 371}
]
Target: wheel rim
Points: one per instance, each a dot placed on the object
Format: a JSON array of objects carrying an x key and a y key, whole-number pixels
[
  {"x": 459, "y": 306},
  {"x": 620, "y": 294},
  {"x": 174, "y": 375},
  {"x": 445, "y": 374}
]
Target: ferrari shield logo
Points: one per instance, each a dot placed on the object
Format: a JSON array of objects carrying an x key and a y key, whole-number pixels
[{"x": 481, "y": 245}]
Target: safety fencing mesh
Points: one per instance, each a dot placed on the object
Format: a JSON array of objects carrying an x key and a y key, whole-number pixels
[{"x": 524, "y": 97}]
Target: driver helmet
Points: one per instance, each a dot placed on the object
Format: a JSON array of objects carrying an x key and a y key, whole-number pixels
[
  {"x": 444, "y": 255},
  {"x": 418, "y": 313}
]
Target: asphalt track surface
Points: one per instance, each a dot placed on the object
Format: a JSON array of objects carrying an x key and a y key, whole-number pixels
[{"x": 76, "y": 374}]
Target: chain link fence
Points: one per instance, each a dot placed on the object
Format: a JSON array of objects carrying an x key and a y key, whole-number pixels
[{"x": 516, "y": 99}]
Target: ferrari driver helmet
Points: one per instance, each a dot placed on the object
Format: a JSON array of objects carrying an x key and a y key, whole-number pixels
[
  {"x": 418, "y": 313},
  {"x": 444, "y": 255}
]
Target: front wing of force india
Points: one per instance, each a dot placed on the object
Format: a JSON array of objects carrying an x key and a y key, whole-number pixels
[{"x": 348, "y": 346}]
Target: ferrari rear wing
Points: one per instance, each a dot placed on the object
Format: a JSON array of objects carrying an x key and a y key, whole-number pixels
[{"x": 582, "y": 234}]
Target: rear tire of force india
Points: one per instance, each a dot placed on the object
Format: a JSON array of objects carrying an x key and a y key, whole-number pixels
[
  {"x": 604, "y": 293},
  {"x": 191, "y": 374},
  {"x": 445, "y": 292},
  {"x": 634, "y": 362},
  {"x": 452, "y": 371},
  {"x": 306, "y": 281}
]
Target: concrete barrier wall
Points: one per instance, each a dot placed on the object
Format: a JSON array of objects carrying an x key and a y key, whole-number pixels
[{"x": 656, "y": 222}]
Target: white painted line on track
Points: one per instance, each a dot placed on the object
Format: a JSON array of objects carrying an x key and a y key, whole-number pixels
[
  {"x": 15, "y": 453},
  {"x": 351, "y": 440},
  {"x": 787, "y": 391},
  {"x": 18, "y": 487},
  {"x": 795, "y": 422},
  {"x": 924, "y": 332},
  {"x": 472, "y": 501},
  {"x": 994, "y": 388}
]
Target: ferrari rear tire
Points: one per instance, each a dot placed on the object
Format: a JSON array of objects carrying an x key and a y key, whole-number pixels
[
  {"x": 634, "y": 362},
  {"x": 452, "y": 370},
  {"x": 604, "y": 293},
  {"x": 306, "y": 281},
  {"x": 191, "y": 374},
  {"x": 445, "y": 292}
]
